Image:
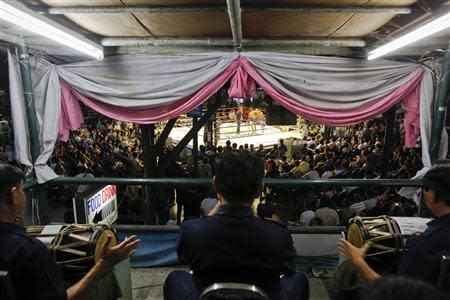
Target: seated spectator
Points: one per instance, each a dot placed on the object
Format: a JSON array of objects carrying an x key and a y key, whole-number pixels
[
  {"x": 208, "y": 203},
  {"x": 396, "y": 287},
  {"x": 296, "y": 170},
  {"x": 325, "y": 216},
  {"x": 267, "y": 212},
  {"x": 234, "y": 245},
  {"x": 3, "y": 155},
  {"x": 172, "y": 216},
  {"x": 422, "y": 260},
  {"x": 285, "y": 166},
  {"x": 83, "y": 173},
  {"x": 33, "y": 272},
  {"x": 308, "y": 215},
  {"x": 312, "y": 175}
]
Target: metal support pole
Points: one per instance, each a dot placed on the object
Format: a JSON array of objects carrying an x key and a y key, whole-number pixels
[
  {"x": 33, "y": 127},
  {"x": 234, "y": 14},
  {"x": 210, "y": 136},
  {"x": 154, "y": 191},
  {"x": 24, "y": 62},
  {"x": 172, "y": 155},
  {"x": 195, "y": 147},
  {"x": 159, "y": 145},
  {"x": 440, "y": 108},
  {"x": 147, "y": 147},
  {"x": 389, "y": 116}
]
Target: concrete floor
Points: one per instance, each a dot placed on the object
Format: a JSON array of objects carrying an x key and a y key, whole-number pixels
[{"x": 148, "y": 284}]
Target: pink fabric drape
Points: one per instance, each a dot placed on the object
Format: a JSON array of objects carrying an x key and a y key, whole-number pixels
[
  {"x": 71, "y": 115},
  {"x": 336, "y": 117},
  {"x": 244, "y": 77},
  {"x": 241, "y": 84},
  {"x": 141, "y": 116},
  {"x": 411, "y": 123}
]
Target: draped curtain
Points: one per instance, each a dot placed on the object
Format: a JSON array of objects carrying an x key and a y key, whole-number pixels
[{"x": 148, "y": 89}]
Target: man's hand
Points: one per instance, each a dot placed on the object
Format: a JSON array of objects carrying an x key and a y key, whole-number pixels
[
  {"x": 215, "y": 209},
  {"x": 355, "y": 257},
  {"x": 353, "y": 254},
  {"x": 110, "y": 256}
]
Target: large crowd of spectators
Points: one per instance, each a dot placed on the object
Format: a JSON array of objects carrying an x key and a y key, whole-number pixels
[
  {"x": 103, "y": 148},
  {"x": 6, "y": 141}
]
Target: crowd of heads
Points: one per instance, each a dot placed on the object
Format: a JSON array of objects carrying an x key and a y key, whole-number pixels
[
  {"x": 101, "y": 147},
  {"x": 104, "y": 147},
  {"x": 6, "y": 141}
]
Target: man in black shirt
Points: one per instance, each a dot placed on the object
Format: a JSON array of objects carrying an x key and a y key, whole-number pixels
[
  {"x": 33, "y": 272},
  {"x": 233, "y": 245},
  {"x": 425, "y": 250}
]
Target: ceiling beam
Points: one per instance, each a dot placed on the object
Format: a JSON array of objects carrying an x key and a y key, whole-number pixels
[
  {"x": 11, "y": 38},
  {"x": 165, "y": 41},
  {"x": 63, "y": 10},
  {"x": 226, "y": 42},
  {"x": 173, "y": 50},
  {"x": 234, "y": 15}
]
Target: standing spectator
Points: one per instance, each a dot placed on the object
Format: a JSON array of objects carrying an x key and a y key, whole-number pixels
[
  {"x": 238, "y": 120},
  {"x": 204, "y": 168},
  {"x": 282, "y": 148}
]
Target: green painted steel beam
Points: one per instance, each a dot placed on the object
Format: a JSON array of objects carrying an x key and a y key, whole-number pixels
[
  {"x": 33, "y": 127},
  {"x": 147, "y": 137},
  {"x": 24, "y": 62},
  {"x": 440, "y": 108},
  {"x": 292, "y": 229},
  {"x": 30, "y": 184},
  {"x": 159, "y": 145},
  {"x": 268, "y": 182},
  {"x": 188, "y": 137}
]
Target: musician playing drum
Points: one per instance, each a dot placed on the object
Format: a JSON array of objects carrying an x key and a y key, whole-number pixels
[
  {"x": 33, "y": 272},
  {"x": 424, "y": 251}
]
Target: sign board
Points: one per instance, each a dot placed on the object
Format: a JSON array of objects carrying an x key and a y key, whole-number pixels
[
  {"x": 411, "y": 225},
  {"x": 101, "y": 207}
]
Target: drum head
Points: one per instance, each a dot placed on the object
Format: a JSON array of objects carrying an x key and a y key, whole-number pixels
[
  {"x": 354, "y": 235},
  {"x": 102, "y": 240}
]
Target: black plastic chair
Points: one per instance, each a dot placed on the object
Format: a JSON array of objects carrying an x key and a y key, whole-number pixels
[
  {"x": 233, "y": 291},
  {"x": 444, "y": 273},
  {"x": 6, "y": 287}
]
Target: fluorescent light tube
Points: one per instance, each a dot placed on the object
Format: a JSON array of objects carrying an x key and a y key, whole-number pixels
[
  {"x": 35, "y": 25},
  {"x": 428, "y": 29}
]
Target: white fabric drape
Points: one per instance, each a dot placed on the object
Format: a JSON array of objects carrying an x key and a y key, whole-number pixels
[
  {"x": 426, "y": 124},
  {"x": 143, "y": 81},
  {"x": 331, "y": 82},
  {"x": 47, "y": 101}
]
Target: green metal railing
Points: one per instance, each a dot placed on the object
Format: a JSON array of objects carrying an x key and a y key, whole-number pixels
[
  {"x": 206, "y": 181},
  {"x": 175, "y": 229}
]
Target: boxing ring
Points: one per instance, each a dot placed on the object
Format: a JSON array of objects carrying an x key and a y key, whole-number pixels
[{"x": 266, "y": 135}]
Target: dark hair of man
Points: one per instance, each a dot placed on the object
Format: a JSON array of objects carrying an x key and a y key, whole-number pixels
[
  {"x": 239, "y": 176},
  {"x": 437, "y": 179},
  {"x": 396, "y": 287},
  {"x": 10, "y": 177}
]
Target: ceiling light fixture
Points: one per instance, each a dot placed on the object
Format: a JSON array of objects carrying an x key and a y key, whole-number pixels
[
  {"x": 35, "y": 25},
  {"x": 423, "y": 31}
]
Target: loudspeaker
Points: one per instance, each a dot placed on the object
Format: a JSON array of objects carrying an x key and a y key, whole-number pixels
[{"x": 278, "y": 115}]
